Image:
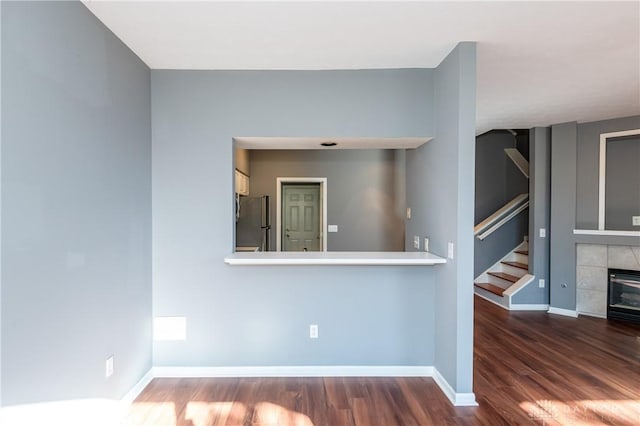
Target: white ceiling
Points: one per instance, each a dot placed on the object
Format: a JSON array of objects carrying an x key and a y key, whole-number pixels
[{"x": 539, "y": 63}]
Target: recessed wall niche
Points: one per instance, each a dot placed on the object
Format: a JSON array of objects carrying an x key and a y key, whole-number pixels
[{"x": 619, "y": 187}]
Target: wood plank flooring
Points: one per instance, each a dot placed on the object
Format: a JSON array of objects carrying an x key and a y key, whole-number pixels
[{"x": 530, "y": 368}]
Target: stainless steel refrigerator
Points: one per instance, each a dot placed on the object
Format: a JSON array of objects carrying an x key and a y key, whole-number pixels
[{"x": 253, "y": 223}]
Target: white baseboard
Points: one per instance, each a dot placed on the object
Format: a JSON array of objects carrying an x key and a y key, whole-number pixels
[
  {"x": 519, "y": 306},
  {"x": 529, "y": 307},
  {"x": 138, "y": 387},
  {"x": 457, "y": 399},
  {"x": 561, "y": 311},
  {"x": 297, "y": 371}
]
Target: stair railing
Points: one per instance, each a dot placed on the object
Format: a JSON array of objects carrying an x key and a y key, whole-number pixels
[{"x": 503, "y": 215}]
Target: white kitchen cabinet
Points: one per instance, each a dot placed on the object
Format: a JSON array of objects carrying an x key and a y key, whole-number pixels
[{"x": 242, "y": 183}]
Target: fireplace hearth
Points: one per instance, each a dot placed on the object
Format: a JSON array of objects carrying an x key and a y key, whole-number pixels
[{"x": 624, "y": 295}]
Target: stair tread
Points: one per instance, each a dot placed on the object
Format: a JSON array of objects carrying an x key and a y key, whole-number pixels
[
  {"x": 504, "y": 276},
  {"x": 525, "y": 252},
  {"x": 491, "y": 288},
  {"x": 516, "y": 264}
]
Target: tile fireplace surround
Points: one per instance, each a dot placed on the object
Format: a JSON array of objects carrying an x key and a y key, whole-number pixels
[{"x": 592, "y": 262}]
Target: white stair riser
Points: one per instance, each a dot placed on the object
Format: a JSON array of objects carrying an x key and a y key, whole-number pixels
[{"x": 517, "y": 257}]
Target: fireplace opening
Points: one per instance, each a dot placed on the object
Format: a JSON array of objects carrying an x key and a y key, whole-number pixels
[{"x": 624, "y": 295}]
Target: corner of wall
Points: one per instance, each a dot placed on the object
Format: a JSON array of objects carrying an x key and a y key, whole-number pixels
[
  {"x": 455, "y": 89},
  {"x": 562, "y": 255}
]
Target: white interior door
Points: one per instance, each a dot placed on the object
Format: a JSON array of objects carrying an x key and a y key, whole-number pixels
[{"x": 301, "y": 217}]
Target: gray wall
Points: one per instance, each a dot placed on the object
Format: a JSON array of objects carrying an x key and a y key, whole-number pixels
[
  {"x": 76, "y": 183},
  {"x": 361, "y": 189},
  {"x": 493, "y": 248},
  {"x": 539, "y": 205},
  {"x": 440, "y": 182},
  {"x": 622, "y": 184},
  {"x": 562, "y": 268},
  {"x": 588, "y": 151},
  {"x": 498, "y": 179},
  {"x": 260, "y": 315}
]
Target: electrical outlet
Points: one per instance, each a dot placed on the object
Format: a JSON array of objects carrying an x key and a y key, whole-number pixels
[
  {"x": 109, "y": 367},
  {"x": 408, "y": 212},
  {"x": 416, "y": 242},
  {"x": 313, "y": 331},
  {"x": 426, "y": 244},
  {"x": 543, "y": 233},
  {"x": 541, "y": 283},
  {"x": 450, "y": 250},
  {"x": 635, "y": 220}
]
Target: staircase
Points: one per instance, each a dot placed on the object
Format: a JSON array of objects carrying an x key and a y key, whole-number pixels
[{"x": 506, "y": 277}]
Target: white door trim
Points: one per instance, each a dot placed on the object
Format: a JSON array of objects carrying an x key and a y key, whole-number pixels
[{"x": 323, "y": 200}]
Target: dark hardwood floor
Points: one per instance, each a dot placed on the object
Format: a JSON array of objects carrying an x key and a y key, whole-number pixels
[{"x": 530, "y": 368}]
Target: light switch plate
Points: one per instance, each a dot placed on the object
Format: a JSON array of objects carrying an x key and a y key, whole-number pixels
[
  {"x": 543, "y": 233},
  {"x": 635, "y": 220},
  {"x": 333, "y": 228},
  {"x": 109, "y": 367},
  {"x": 408, "y": 212},
  {"x": 425, "y": 247},
  {"x": 416, "y": 242},
  {"x": 450, "y": 250},
  {"x": 313, "y": 331}
]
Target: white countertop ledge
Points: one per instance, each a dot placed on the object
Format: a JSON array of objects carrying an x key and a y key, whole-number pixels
[
  {"x": 335, "y": 258},
  {"x": 606, "y": 232}
]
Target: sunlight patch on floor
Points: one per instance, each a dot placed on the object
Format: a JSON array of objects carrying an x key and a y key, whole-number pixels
[
  {"x": 201, "y": 413},
  {"x": 73, "y": 412},
  {"x": 585, "y": 413},
  {"x": 151, "y": 413},
  {"x": 213, "y": 413},
  {"x": 272, "y": 414}
]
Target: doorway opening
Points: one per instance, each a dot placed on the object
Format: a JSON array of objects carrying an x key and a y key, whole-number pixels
[{"x": 301, "y": 214}]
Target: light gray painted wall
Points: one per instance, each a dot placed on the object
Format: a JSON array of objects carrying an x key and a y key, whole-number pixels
[
  {"x": 361, "y": 191},
  {"x": 539, "y": 206},
  {"x": 76, "y": 218},
  {"x": 498, "y": 179},
  {"x": 493, "y": 248},
  {"x": 562, "y": 252},
  {"x": 588, "y": 151},
  {"x": 440, "y": 182},
  {"x": 260, "y": 315}
]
